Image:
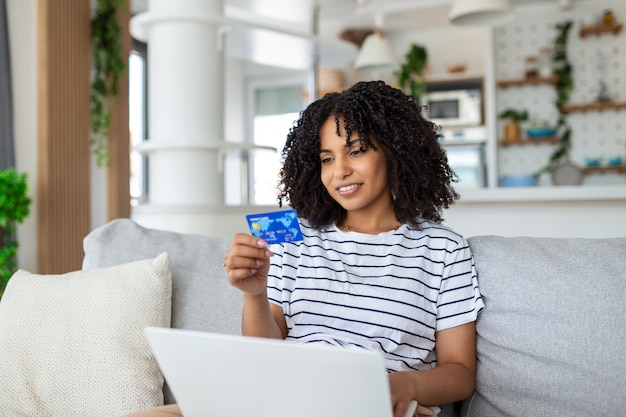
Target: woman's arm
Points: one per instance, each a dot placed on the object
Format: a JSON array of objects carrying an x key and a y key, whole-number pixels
[
  {"x": 262, "y": 318},
  {"x": 247, "y": 265},
  {"x": 453, "y": 378}
]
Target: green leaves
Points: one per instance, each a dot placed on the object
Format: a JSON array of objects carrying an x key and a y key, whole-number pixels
[
  {"x": 14, "y": 202},
  {"x": 514, "y": 115},
  {"x": 14, "y": 207},
  {"x": 564, "y": 86},
  {"x": 108, "y": 65},
  {"x": 8, "y": 265},
  {"x": 562, "y": 66},
  {"x": 411, "y": 74}
]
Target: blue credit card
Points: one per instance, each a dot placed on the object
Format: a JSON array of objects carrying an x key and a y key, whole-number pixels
[{"x": 275, "y": 226}]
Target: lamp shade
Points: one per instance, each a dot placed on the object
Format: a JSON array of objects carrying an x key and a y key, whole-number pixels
[
  {"x": 480, "y": 12},
  {"x": 375, "y": 52}
]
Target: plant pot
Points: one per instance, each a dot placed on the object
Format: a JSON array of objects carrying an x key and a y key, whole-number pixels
[{"x": 512, "y": 132}]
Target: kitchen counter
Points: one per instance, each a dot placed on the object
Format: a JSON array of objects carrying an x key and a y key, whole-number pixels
[{"x": 544, "y": 193}]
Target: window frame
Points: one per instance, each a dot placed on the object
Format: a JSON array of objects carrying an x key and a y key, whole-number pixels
[
  {"x": 253, "y": 84},
  {"x": 141, "y": 49}
]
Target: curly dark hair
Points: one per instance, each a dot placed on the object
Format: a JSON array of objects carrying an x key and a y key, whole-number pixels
[{"x": 420, "y": 179}]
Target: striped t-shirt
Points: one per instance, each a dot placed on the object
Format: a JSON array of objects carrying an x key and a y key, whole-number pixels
[{"x": 388, "y": 292}]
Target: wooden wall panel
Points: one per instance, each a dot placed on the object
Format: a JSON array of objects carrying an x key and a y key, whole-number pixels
[
  {"x": 119, "y": 135},
  {"x": 63, "y": 133}
]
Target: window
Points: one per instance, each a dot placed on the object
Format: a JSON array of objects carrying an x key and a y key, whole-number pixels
[
  {"x": 275, "y": 107},
  {"x": 138, "y": 121}
]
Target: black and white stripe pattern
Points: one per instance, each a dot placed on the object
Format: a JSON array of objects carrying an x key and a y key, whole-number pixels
[{"x": 389, "y": 292}]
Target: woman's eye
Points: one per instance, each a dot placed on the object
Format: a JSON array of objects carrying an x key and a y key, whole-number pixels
[
  {"x": 326, "y": 160},
  {"x": 357, "y": 152}
]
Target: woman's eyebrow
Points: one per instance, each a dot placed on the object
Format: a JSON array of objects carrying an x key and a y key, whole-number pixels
[{"x": 348, "y": 145}]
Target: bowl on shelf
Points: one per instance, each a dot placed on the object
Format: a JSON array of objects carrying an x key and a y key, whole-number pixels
[
  {"x": 615, "y": 161},
  {"x": 592, "y": 162},
  {"x": 518, "y": 181},
  {"x": 541, "y": 132}
]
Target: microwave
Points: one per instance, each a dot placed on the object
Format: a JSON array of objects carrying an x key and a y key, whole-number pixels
[{"x": 454, "y": 107}]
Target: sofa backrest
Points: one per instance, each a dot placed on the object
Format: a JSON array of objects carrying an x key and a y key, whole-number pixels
[
  {"x": 552, "y": 337},
  {"x": 550, "y": 341}
]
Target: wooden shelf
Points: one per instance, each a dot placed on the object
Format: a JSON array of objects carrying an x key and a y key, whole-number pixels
[
  {"x": 609, "y": 105},
  {"x": 453, "y": 77},
  {"x": 550, "y": 140},
  {"x": 615, "y": 29},
  {"x": 527, "y": 81},
  {"x": 620, "y": 169}
]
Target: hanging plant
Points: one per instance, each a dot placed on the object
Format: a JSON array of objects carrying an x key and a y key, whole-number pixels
[
  {"x": 410, "y": 76},
  {"x": 108, "y": 65},
  {"x": 14, "y": 208},
  {"x": 564, "y": 86}
]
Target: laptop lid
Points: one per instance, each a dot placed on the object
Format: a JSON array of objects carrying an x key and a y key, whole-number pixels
[{"x": 217, "y": 375}]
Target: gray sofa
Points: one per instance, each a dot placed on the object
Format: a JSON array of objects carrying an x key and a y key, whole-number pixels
[{"x": 551, "y": 339}]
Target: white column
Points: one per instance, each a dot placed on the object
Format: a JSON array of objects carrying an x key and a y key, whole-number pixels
[{"x": 185, "y": 110}]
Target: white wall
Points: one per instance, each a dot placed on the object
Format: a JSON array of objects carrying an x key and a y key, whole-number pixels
[
  {"x": 447, "y": 46},
  {"x": 22, "y": 16},
  {"x": 588, "y": 218}
]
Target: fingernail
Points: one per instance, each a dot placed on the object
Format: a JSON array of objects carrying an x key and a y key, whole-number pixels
[
  {"x": 261, "y": 243},
  {"x": 269, "y": 254},
  {"x": 253, "y": 271}
]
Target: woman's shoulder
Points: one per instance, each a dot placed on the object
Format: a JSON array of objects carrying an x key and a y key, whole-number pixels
[{"x": 433, "y": 230}]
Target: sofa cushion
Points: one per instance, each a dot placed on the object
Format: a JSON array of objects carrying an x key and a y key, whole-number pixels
[
  {"x": 551, "y": 338},
  {"x": 202, "y": 298},
  {"x": 73, "y": 344}
]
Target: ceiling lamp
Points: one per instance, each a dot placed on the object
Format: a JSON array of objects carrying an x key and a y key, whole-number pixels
[
  {"x": 375, "y": 52},
  {"x": 480, "y": 12}
]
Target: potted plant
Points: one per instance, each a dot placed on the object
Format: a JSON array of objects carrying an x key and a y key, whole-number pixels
[
  {"x": 410, "y": 76},
  {"x": 14, "y": 208},
  {"x": 512, "y": 130}
]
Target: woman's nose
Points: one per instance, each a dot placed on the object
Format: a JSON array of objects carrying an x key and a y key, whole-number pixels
[{"x": 342, "y": 168}]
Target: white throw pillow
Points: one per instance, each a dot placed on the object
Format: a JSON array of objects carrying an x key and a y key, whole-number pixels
[{"x": 73, "y": 344}]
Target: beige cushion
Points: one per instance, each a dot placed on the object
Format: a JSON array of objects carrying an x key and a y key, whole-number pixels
[{"x": 73, "y": 344}]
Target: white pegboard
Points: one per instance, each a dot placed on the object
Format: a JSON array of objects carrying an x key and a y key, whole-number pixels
[{"x": 595, "y": 134}]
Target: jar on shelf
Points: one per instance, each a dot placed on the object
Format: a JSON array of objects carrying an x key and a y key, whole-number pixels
[
  {"x": 544, "y": 64},
  {"x": 607, "y": 17},
  {"x": 531, "y": 67}
]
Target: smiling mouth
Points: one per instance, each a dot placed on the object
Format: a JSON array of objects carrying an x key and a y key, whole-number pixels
[{"x": 348, "y": 188}]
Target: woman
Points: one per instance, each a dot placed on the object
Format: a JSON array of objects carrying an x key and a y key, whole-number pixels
[
  {"x": 376, "y": 269},
  {"x": 367, "y": 176}
]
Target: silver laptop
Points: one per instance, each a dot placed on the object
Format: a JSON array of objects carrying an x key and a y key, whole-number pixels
[{"x": 217, "y": 375}]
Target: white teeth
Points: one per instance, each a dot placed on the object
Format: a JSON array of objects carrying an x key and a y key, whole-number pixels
[{"x": 348, "y": 187}]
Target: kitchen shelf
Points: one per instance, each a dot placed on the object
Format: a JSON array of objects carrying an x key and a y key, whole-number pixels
[
  {"x": 454, "y": 77},
  {"x": 609, "y": 105},
  {"x": 620, "y": 169},
  {"x": 585, "y": 31},
  {"x": 527, "y": 81},
  {"x": 550, "y": 140}
]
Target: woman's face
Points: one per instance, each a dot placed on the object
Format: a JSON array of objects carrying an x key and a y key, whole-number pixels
[{"x": 354, "y": 177}]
